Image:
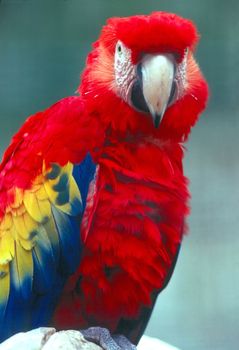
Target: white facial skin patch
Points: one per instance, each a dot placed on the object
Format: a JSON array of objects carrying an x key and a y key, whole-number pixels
[
  {"x": 125, "y": 71},
  {"x": 180, "y": 76}
]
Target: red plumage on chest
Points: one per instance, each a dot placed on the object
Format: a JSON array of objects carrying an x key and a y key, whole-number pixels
[{"x": 132, "y": 233}]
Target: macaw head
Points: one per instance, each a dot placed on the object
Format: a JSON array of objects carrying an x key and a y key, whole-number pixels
[{"x": 141, "y": 75}]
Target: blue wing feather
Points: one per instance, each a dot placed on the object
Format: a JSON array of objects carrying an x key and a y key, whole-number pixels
[
  {"x": 83, "y": 174},
  {"x": 55, "y": 255},
  {"x": 69, "y": 236}
]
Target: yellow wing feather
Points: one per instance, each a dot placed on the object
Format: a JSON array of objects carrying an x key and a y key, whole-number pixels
[
  {"x": 4, "y": 285},
  {"x": 26, "y": 216},
  {"x": 6, "y": 223},
  {"x": 6, "y": 248},
  {"x": 22, "y": 271},
  {"x": 62, "y": 190}
]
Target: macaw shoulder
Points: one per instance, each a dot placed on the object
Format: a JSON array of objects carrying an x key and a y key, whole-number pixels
[
  {"x": 61, "y": 134},
  {"x": 45, "y": 129}
]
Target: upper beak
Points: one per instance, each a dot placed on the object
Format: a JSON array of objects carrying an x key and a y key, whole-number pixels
[{"x": 157, "y": 77}]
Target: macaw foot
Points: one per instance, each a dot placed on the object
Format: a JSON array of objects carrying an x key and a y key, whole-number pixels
[{"x": 102, "y": 337}]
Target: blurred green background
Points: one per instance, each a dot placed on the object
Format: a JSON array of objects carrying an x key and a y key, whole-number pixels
[{"x": 43, "y": 46}]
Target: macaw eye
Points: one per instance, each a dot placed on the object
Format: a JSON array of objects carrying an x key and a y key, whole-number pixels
[{"x": 119, "y": 49}]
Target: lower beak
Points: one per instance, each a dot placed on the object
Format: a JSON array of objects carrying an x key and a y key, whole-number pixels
[{"x": 156, "y": 75}]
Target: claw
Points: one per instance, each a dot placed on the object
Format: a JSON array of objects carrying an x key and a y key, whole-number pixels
[
  {"x": 123, "y": 342},
  {"x": 102, "y": 337}
]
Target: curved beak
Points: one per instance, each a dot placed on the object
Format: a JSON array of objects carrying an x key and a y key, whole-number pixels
[{"x": 156, "y": 75}]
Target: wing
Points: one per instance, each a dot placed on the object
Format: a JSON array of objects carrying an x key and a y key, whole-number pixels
[
  {"x": 39, "y": 233},
  {"x": 134, "y": 329}
]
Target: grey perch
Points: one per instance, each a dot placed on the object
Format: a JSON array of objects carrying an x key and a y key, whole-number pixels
[{"x": 50, "y": 339}]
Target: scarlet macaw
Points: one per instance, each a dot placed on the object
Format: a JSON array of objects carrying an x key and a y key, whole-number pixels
[{"x": 93, "y": 198}]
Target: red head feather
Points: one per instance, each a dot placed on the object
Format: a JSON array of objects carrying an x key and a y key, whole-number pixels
[{"x": 156, "y": 33}]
